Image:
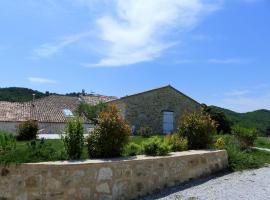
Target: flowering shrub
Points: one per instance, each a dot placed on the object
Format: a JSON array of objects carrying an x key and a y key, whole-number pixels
[
  {"x": 176, "y": 143},
  {"x": 220, "y": 143},
  {"x": 245, "y": 136},
  {"x": 110, "y": 135},
  {"x": 198, "y": 128}
]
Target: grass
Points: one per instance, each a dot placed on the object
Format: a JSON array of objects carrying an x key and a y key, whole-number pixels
[
  {"x": 263, "y": 142},
  {"x": 51, "y": 150},
  {"x": 244, "y": 159}
]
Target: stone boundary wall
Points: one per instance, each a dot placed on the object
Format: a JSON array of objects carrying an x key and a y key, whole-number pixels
[{"x": 116, "y": 179}]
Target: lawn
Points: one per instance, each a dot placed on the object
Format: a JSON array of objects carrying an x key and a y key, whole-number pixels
[
  {"x": 263, "y": 142},
  {"x": 245, "y": 159},
  {"x": 50, "y": 150}
]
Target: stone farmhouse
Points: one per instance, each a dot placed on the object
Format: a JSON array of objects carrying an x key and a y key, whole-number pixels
[
  {"x": 159, "y": 109},
  {"x": 51, "y": 112}
]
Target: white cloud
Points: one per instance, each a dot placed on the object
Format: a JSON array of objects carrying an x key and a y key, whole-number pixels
[
  {"x": 49, "y": 49},
  {"x": 41, "y": 80},
  {"x": 138, "y": 31},
  {"x": 228, "y": 61}
]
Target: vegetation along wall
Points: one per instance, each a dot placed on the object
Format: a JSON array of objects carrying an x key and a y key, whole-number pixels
[{"x": 117, "y": 179}]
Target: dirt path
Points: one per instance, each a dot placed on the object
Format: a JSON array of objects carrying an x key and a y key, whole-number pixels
[{"x": 247, "y": 185}]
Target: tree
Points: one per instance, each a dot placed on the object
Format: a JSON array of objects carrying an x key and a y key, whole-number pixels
[
  {"x": 91, "y": 112},
  {"x": 198, "y": 128},
  {"x": 74, "y": 139},
  {"x": 109, "y": 136},
  {"x": 268, "y": 131},
  {"x": 223, "y": 123}
]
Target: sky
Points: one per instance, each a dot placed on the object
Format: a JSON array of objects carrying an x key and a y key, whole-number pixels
[{"x": 215, "y": 51}]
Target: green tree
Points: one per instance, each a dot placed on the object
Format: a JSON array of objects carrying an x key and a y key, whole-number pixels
[
  {"x": 74, "y": 139},
  {"x": 198, "y": 128},
  {"x": 91, "y": 112},
  {"x": 110, "y": 135},
  {"x": 223, "y": 123}
]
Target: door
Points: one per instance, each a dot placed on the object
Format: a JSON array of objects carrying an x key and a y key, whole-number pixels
[{"x": 168, "y": 121}]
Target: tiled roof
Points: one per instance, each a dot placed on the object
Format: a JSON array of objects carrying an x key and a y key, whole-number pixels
[
  {"x": 47, "y": 109},
  {"x": 51, "y": 108},
  {"x": 14, "y": 111},
  {"x": 95, "y": 99}
]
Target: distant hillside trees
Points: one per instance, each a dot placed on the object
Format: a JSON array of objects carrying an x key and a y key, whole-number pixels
[{"x": 16, "y": 94}]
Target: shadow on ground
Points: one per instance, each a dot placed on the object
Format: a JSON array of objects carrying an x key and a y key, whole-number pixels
[{"x": 186, "y": 185}]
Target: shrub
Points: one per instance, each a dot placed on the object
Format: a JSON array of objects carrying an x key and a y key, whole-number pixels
[
  {"x": 7, "y": 142},
  {"x": 27, "y": 130},
  {"x": 110, "y": 135},
  {"x": 198, "y": 128},
  {"x": 176, "y": 143},
  {"x": 223, "y": 123},
  {"x": 245, "y": 136},
  {"x": 132, "y": 149},
  {"x": 40, "y": 150},
  {"x": 155, "y": 147},
  {"x": 74, "y": 139},
  {"x": 220, "y": 143},
  {"x": 145, "y": 131}
]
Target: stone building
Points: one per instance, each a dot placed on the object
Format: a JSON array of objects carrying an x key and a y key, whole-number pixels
[
  {"x": 159, "y": 109},
  {"x": 51, "y": 112}
]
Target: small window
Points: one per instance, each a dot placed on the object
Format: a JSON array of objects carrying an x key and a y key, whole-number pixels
[{"x": 68, "y": 113}]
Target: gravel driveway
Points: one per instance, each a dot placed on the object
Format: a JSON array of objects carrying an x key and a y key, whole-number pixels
[{"x": 254, "y": 184}]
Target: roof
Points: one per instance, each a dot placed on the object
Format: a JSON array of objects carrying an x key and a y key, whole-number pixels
[
  {"x": 160, "y": 88},
  {"x": 50, "y": 109},
  {"x": 14, "y": 111},
  {"x": 95, "y": 99}
]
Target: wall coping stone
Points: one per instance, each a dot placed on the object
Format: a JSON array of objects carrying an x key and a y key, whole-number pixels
[{"x": 128, "y": 159}]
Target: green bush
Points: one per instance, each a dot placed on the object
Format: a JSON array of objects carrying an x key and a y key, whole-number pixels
[
  {"x": 224, "y": 125},
  {"x": 132, "y": 149},
  {"x": 198, "y": 128},
  {"x": 40, "y": 150},
  {"x": 245, "y": 136},
  {"x": 145, "y": 131},
  {"x": 27, "y": 130},
  {"x": 155, "y": 147},
  {"x": 176, "y": 143},
  {"x": 110, "y": 135},
  {"x": 74, "y": 139},
  {"x": 7, "y": 142}
]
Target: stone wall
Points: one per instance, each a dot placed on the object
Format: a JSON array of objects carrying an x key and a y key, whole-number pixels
[
  {"x": 117, "y": 179},
  {"x": 146, "y": 109}
]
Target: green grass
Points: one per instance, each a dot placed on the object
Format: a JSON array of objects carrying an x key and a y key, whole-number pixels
[
  {"x": 53, "y": 150},
  {"x": 263, "y": 142},
  {"x": 244, "y": 159}
]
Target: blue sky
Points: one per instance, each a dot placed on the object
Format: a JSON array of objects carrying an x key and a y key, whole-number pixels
[{"x": 216, "y": 51}]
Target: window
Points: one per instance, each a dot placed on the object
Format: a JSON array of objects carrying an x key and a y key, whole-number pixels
[
  {"x": 168, "y": 121},
  {"x": 68, "y": 113}
]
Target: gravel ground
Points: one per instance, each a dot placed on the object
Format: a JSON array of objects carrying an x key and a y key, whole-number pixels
[{"x": 246, "y": 185}]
